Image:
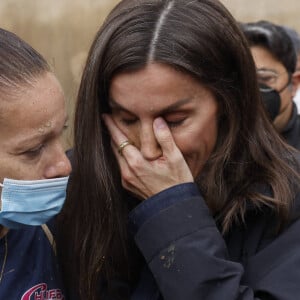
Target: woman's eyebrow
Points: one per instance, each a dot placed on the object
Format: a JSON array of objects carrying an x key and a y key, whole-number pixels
[
  {"x": 39, "y": 135},
  {"x": 115, "y": 105},
  {"x": 173, "y": 106}
]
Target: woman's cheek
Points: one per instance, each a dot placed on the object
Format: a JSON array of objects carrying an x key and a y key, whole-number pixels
[{"x": 195, "y": 163}]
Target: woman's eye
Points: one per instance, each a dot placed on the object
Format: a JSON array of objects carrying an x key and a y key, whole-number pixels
[
  {"x": 123, "y": 118},
  {"x": 175, "y": 123},
  {"x": 266, "y": 79},
  {"x": 35, "y": 152},
  {"x": 127, "y": 122}
]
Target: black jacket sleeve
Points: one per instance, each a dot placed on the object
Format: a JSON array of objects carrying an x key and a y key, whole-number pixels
[{"x": 189, "y": 259}]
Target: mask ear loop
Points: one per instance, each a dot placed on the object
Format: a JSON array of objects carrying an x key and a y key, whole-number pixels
[
  {"x": 49, "y": 236},
  {"x": 287, "y": 84}
]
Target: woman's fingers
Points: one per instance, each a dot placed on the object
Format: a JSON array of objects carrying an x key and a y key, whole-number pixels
[
  {"x": 128, "y": 157},
  {"x": 146, "y": 178},
  {"x": 176, "y": 164},
  {"x": 164, "y": 137},
  {"x": 123, "y": 145},
  {"x": 129, "y": 180},
  {"x": 119, "y": 144},
  {"x": 118, "y": 137},
  {"x": 116, "y": 134}
]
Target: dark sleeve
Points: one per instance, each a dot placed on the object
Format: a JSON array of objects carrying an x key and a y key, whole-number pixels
[{"x": 188, "y": 257}]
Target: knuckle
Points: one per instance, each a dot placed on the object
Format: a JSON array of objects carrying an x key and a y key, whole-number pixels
[
  {"x": 126, "y": 176},
  {"x": 135, "y": 163},
  {"x": 125, "y": 184}
]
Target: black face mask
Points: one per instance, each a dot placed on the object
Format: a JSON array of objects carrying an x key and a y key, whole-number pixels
[{"x": 271, "y": 100}]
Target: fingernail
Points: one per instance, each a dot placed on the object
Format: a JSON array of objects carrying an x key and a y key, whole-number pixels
[{"x": 159, "y": 123}]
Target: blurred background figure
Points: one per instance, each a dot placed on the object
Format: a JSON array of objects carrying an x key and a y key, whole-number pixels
[
  {"x": 275, "y": 59},
  {"x": 295, "y": 37}
]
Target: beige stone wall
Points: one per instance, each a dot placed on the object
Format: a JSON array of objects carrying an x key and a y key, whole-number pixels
[{"x": 62, "y": 30}]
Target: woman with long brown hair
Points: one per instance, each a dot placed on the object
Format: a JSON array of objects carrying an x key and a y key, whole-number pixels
[{"x": 181, "y": 187}]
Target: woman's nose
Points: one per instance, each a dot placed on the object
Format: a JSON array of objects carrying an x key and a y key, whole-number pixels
[
  {"x": 60, "y": 165},
  {"x": 149, "y": 146}
]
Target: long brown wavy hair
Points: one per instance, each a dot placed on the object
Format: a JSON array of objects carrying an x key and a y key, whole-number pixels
[{"x": 200, "y": 38}]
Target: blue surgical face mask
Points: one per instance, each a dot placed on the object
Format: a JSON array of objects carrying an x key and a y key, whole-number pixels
[
  {"x": 31, "y": 202},
  {"x": 271, "y": 100}
]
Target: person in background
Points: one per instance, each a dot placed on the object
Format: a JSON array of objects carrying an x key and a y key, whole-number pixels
[
  {"x": 275, "y": 59},
  {"x": 295, "y": 37},
  {"x": 34, "y": 172},
  {"x": 181, "y": 187}
]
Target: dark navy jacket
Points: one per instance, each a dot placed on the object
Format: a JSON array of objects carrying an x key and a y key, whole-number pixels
[
  {"x": 187, "y": 257},
  {"x": 30, "y": 271},
  {"x": 292, "y": 131}
]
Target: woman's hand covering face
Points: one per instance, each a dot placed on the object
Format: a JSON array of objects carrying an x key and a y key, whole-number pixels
[{"x": 145, "y": 178}]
